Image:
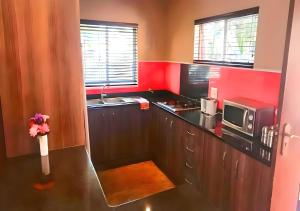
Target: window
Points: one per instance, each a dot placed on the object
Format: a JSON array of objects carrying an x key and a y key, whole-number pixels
[
  {"x": 227, "y": 39},
  {"x": 109, "y": 52}
]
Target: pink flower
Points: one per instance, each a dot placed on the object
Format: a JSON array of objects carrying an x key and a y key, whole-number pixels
[
  {"x": 45, "y": 117},
  {"x": 43, "y": 128},
  {"x": 38, "y": 125},
  {"x": 33, "y": 131}
]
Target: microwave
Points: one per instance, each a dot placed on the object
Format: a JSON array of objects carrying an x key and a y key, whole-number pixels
[{"x": 247, "y": 116}]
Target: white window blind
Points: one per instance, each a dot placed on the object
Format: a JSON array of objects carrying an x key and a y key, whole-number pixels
[
  {"x": 109, "y": 52},
  {"x": 227, "y": 39}
]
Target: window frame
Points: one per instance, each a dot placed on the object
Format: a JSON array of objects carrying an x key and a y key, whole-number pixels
[
  {"x": 236, "y": 14},
  {"x": 121, "y": 24}
]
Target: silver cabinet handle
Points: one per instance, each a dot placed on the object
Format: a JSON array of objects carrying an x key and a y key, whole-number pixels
[
  {"x": 171, "y": 123},
  {"x": 237, "y": 168},
  {"x": 166, "y": 118},
  {"x": 190, "y": 133},
  {"x": 189, "y": 150},
  {"x": 113, "y": 113},
  {"x": 188, "y": 181},
  {"x": 188, "y": 165},
  {"x": 224, "y": 157}
]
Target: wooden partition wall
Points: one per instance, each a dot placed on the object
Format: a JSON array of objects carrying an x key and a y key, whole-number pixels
[{"x": 41, "y": 72}]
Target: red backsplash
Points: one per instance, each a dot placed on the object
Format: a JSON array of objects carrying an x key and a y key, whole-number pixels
[
  {"x": 231, "y": 82},
  {"x": 151, "y": 75},
  {"x": 173, "y": 77},
  {"x": 234, "y": 82}
]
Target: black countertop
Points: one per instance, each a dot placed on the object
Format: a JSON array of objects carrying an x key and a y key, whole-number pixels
[
  {"x": 212, "y": 124},
  {"x": 76, "y": 187}
]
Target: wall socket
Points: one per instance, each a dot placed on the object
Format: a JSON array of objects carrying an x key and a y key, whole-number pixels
[{"x": 214, "y": 92}]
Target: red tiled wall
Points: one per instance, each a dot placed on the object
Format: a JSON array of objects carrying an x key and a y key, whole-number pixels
[
  {"x": 151, "y": 75},
  {"x": 231, "y": 82},
  {"x": 172, "y": 73},
  {"x": 234, "y": 82}
]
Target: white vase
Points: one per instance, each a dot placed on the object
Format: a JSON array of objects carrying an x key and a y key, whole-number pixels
[{"x": 43, "y": 145}]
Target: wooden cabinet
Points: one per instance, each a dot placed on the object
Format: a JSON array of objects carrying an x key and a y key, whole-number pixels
[
  {"x": 177, "y": 148},
  {"x": 118, "y": 135},
  {"x": 213, "y": 174},
  {"x": 165, "y": 145},
  {"x": 232, "y": 180},
  {"x": 98, "y": 131},
  {"x": 250, "y": 184},
  {"x": 159, "y": 141},
  {"x": 228, "y": 178},
  {"x": 192, "y": 141}
]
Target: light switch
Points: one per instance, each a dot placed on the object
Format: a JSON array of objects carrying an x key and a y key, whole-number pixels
[{"x": 214, "y": 92}]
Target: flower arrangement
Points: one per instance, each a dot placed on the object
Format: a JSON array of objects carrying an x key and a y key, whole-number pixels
[{"x": 38, "y": 125}]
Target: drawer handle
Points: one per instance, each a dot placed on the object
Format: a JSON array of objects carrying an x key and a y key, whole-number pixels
[
  {"x": 237, "y": 164},
  {"x": 189, "y": 150},
  {"x": 166, "y": 118},
  {"x": 171, "y": 123},
  {"x": 190, "y": 133},
  {"x": 188, "y": 181},
  {"x": 224, "y": 157},
  {"x": 188, "y": 165}
]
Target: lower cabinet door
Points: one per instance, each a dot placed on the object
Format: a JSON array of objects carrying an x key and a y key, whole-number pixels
[
  {"x": 175, "y": 151},
  {"x": 214, "y": 180},
  {"x": 98, "y": 133},
  {"x": 250, "y": 184}
]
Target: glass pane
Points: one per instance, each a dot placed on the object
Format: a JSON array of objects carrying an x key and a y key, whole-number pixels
[
  {"x": 241, "y": 39},
  {"x": 109, "y": 54},
  {"x": 212, "y": 41},
  {"x": 227, "y": 41}
]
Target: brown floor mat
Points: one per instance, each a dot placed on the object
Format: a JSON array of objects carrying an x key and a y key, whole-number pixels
[{"x": 132, "y": 182}]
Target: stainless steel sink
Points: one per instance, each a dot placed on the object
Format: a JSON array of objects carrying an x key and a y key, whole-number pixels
[{"x": 112, "y": 100}]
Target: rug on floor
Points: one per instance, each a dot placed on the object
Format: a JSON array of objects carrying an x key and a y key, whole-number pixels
[{"x": 136, "y": 181}]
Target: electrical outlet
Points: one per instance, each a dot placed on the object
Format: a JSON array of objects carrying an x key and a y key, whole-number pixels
[{"x": 214, "y": 92}]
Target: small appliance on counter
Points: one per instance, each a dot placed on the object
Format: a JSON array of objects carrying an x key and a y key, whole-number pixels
[
  {"x": 247, "y": 116},
  {"x": 207, "y": 121},
  {"x": 209, "y": 105}
]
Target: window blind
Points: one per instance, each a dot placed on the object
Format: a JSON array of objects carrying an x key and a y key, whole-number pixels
[
  {"x": 109, "y": 52},
  {"x": 227, "y": 39}
]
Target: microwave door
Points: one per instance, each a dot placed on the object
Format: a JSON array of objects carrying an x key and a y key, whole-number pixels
[{"x": 235, "y": 117}]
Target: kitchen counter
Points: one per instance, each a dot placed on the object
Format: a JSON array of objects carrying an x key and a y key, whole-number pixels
[
  {"x": 211, "y": 124},
  {"x": 76, "y": 187}
]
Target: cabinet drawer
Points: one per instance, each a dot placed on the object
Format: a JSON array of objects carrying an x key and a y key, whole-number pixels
[
  {"x": 190, "y": 175},
  {"x": 190, "y": 159}
]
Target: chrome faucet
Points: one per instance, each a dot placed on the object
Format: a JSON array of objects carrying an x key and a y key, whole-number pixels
[{"x": 101, "y": 92}]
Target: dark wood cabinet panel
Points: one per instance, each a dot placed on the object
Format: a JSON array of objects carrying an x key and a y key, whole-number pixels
[
  {"x": 232, "y": 180},
  {"x": 175, "y": 150},
  {"x": 118, "y": 135},
  {"x": 98, "y": 130},
  {"x": 193, "y": 146},
  {"x": 250, "y": 184},
  {"x": 159, "y": 142},
  {"x": 228, "y": 178},
  {"x": 166, "y": 144},
  {"x": 216, "y": 159}
]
